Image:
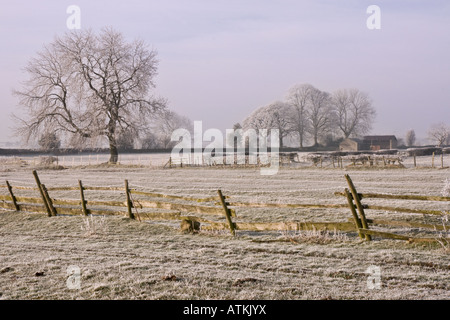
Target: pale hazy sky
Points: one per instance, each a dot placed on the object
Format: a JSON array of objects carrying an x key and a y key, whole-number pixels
[{"x": 219, "y": 60}]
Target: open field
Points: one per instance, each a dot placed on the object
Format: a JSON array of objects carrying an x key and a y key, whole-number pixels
[
  {"x": 157, "y": 160},
  {"x": 124, "y": 259}
]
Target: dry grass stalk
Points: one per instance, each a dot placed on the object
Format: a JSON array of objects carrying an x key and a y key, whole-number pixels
[
  {"x": 94, "y": 226},
  {"x": 444, "y": 236},
  {"x": 314, "y": 236}
]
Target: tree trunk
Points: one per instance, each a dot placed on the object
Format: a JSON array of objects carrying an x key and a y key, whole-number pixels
[
  {"x": 300, "y": 140},
  {"x": 113, "y": 152}
]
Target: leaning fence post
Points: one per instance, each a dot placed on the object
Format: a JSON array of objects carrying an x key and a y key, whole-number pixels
[
  {"x": 49, "y": 201},
  {"x": 16, "y": 206},
  {"x": 129, "y": 204},
  {"x": 355, "y": 215},
  {"x": 41, "y": 191},
  {"x": 83, "y": 201},
  {"x": 227, "y": 212},
  {"x": 358, "y": 205}
]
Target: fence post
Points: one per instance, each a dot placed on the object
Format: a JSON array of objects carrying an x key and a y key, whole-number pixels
[
  {"x": 354, "y": 214},
  {"x": 227, "y": 212},
  {"x": 49, "y": 201},
  {"x": 432, "y": 161},
  {"x": 129, "y": 204},
  {"x": 16, "y": 206},
  {"x": 83, "y": 201},
  {"x": 358, "y": 205},
  {"x": 41, "y": 191}
]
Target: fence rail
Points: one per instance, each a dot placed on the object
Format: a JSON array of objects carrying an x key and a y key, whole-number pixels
[
  {"x": 194, "y": 212},
  {"x": 361, "y": 223}
]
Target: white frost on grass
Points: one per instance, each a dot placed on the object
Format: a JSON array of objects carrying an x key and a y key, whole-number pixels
[{"x": 446, "y": 188}]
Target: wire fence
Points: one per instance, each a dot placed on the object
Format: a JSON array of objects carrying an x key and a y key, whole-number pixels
[{"x": 302, "y": 159}]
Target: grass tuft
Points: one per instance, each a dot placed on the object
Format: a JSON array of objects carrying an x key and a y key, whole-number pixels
[{"x": 314, "y": 236}]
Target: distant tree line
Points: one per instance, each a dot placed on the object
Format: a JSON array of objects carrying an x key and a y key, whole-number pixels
[
  {"x": 438, "y": 134},
  {"x": 308, "y": 113},
  {"x": 156, "y": 136},
  {"x": 85, "y": 89}
]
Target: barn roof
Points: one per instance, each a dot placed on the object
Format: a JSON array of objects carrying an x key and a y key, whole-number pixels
[{"x": 380, "y": 138}]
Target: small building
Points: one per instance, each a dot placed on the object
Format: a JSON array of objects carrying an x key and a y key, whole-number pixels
[
  {"x": 380, "y": 142},
  {"x": 369, "y": 143},
  {"x": 350, "y": 145}
]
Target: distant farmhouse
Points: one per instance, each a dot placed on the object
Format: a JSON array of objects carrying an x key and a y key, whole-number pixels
[{"x": 372, "y": 143}]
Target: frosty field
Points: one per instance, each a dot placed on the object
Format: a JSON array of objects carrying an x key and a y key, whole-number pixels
[{"x": 119, "y": 258}]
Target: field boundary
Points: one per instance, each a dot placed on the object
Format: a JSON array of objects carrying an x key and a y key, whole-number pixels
[
  {"x": 361, "y": 223},
  {"x": 216, "y": 212},
  {"x": 190, "y": 211}
]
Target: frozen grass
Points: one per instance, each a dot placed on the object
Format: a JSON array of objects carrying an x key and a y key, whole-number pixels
[
  {"x": 444, "y": 236},
  {"x": 135, "y": 260},
  {"x": 124, "y": 259},
  {"x": 315, "y": 236}
]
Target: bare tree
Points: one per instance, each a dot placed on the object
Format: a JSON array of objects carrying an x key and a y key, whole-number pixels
[
  {"x": 149, "y": 141},
  {"x": 410, "y": 138},
  {"x": 354, "y": 110},
  {"x": 91, "y": 86},
  {"x": 277, "y": 115},
  {"x": 166, "y": 123},
  {"x": 49, "y": 141},
  {"x": 439, "y": 133},
  {"x": 321, "y": 115},
  {"x": 299, "y": 97},
  {"x": 237, "y": 139},
  {"x": 125, "y": 140}
]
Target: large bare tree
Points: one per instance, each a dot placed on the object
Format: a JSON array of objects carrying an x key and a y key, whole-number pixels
[
  {"x": 299, "y": 98},
  {"x": 277, "y": 115},
  {"x": 354, "y": 111},
  {"x": 90, "y": 85},
  {"x": 321, "y": 116}
]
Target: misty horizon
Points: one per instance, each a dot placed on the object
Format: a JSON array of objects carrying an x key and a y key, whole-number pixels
[{"x": 219, "y": 61}]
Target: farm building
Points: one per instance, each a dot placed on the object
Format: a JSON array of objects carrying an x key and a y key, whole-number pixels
[
  {"x": 369, "y": 143},
  {"x": 380, "y": 142},
  {"x": 350, "y": 145}
]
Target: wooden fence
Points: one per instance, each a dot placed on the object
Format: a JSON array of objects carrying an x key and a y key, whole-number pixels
[
  {"x": 361, "y": 222},
  {"x": 395, "y": 160},
  {"x": 237, "y": 160},
  {"x": 191, "y": 211},
  {"x": 211, "y": 212}
]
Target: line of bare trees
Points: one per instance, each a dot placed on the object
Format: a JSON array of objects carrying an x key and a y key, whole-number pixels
[
  {"x": 437, "y": 134},
  {"x": 310, "y": 113}
]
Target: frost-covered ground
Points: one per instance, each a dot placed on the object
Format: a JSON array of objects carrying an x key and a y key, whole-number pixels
[
  {"x": 160, "y": 159},
  {"x": 126, "y": 259}
]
